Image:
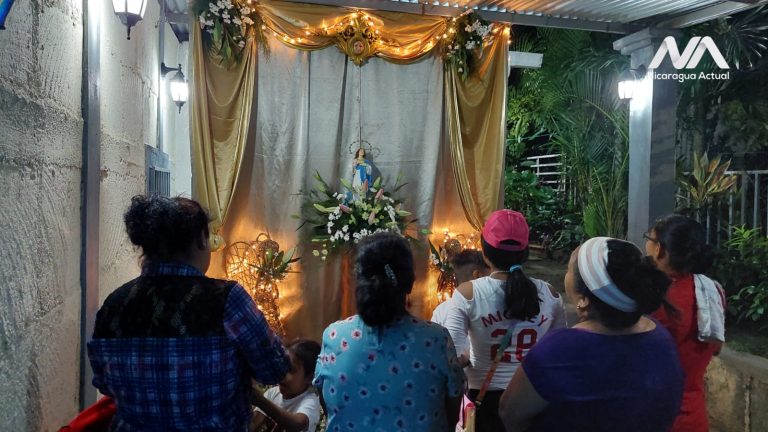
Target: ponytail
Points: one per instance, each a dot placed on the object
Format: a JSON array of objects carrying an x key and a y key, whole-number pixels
[{"x": 521, "y": 296}]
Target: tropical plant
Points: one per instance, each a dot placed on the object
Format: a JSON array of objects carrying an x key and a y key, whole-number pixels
[
  {"x": 707, "y": 182},
  {"x": 572, "y": 102},
  {"x": 741, "y": 269},
  {"x": 718, "y": 114}
]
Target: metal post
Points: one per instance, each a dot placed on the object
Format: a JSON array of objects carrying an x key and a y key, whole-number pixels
[
  {"x": 89, "y": 258},
  {"x": 744, "y": 199},
  {"x": 730, "y": 214},
  {"x": 756, "y": 209}
]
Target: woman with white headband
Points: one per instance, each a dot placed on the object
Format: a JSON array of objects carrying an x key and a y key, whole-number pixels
[
  {"x": 504, "y": 315},
  {"x": 616, "y": 369}
]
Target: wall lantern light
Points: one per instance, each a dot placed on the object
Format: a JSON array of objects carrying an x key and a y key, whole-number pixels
[
  {"x": 629, "y": 82},
  {"x": 130, "y": 12},
  {"x": 178, "y": 85}
]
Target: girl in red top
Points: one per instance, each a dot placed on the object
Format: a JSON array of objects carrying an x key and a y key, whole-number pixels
[{"x": 677, "y": 245}]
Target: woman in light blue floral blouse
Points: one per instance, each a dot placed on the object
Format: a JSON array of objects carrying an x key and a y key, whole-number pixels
[{"x": 383, "y": 369}]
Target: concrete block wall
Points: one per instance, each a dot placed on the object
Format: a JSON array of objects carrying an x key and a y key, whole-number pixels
[
  {"x": 41, "y": 133},
  {"x": 129, "y": 94},
  {"x": 737, "y": 392},
  {"x": 40, "y": 161}
]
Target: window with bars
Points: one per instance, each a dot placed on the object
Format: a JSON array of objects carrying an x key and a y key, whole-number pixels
[{"x": 158, "y": 174}]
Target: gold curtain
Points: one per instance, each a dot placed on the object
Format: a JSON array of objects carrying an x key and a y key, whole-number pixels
[
  {"x": 221, "y": 101},
  {"x": 476, "y": 111}
]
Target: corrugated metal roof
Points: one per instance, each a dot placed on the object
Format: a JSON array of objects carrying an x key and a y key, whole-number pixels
[
  {"x": 623, "y": 11},
  {"x": 177, "y": 8},
  {"x": 618, "y": 16}
]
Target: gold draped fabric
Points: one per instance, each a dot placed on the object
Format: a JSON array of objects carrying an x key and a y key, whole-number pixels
[
  {"x": 404, "y": 38},
  {"x": 221, "y": 102},
  {"x": 476, "y": 111}
]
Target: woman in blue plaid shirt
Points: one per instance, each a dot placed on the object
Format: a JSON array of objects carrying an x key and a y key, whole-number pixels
[{"x": 175, "y": 349}]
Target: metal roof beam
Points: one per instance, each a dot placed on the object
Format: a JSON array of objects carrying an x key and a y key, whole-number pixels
[
  {"x": 709, "y": 13},
  {"x": 177, "y": 18},
  {"x": 507, "y": 17}
]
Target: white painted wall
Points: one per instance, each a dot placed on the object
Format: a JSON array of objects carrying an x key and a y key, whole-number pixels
[
  {"x": 41, "y": 130},
  {"x": 176, "y": 124}
]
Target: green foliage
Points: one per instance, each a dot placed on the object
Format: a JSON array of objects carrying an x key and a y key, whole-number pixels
[
  {"x": 742, "y": 269},
  {"x": 572, "y": 101},
  {"x": 524, "y": 194},
  {"x": 728, "y": 114}
]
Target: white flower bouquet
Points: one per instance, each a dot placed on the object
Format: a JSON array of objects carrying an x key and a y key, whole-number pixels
[
  {"x": 227, "y": 25},
  {"x": 340, "y": 219},
  {"x": 466, "y": 47}
]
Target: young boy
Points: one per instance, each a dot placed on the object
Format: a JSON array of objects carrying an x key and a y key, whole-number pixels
[
  {"x": 293, "y": 406},
  {"x": 467, "y": 265}
]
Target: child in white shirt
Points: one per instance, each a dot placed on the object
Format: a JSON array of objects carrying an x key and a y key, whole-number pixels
[
  {"x": 293, "y": 406},
  {"x": 467, "y": 265}
]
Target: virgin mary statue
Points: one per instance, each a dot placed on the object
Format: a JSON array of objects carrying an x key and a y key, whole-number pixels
[{"x": 362, "y": 174}]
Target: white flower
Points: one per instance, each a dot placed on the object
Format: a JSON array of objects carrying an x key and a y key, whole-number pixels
[
  {"x": 467, "y": 29},
  {"x": 236, "y": 20},
  {"x": 209, "y": 23},
  {"x": 247, "y": 20},
  {"x": 241, "y": 44},
  {"x": 323, "y": 257},
  {"x": 325, "y": 252},
  {"x": 461, "y": 70},
  {"x": 227, "y": 21},
  {"x": 346, "y": 237},
  {"x": 202, "y": 19},
  {"x": 316, "y": 252},
  {"x": 345, "y": 228}
]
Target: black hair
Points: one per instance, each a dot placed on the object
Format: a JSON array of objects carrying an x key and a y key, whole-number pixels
[
  {"x": 521, "y": 297},
  {"x": 468, "y": 257},
  {"x": 381, "y": 296},
  {"x": 636, "y": 276},
  {"x": 306, "y": 351},
  {"x": 165, "y": 227},
  {"x": 685, "y": 241}
]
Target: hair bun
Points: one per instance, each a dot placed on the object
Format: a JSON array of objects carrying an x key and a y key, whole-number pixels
[{"x": 637, "y": 276}]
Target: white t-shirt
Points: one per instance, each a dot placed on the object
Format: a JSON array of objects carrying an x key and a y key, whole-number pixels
[
  {"x": 440, "y": 316},
  {"x": 483, "y": 320},
  {"x": 307, "y": 403}
]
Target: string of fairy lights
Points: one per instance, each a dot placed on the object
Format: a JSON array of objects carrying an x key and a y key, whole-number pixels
[{"x": 366, "y": 21}]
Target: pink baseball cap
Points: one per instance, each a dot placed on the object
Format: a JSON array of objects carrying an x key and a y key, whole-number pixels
[{"x": 506, "y": 225}]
